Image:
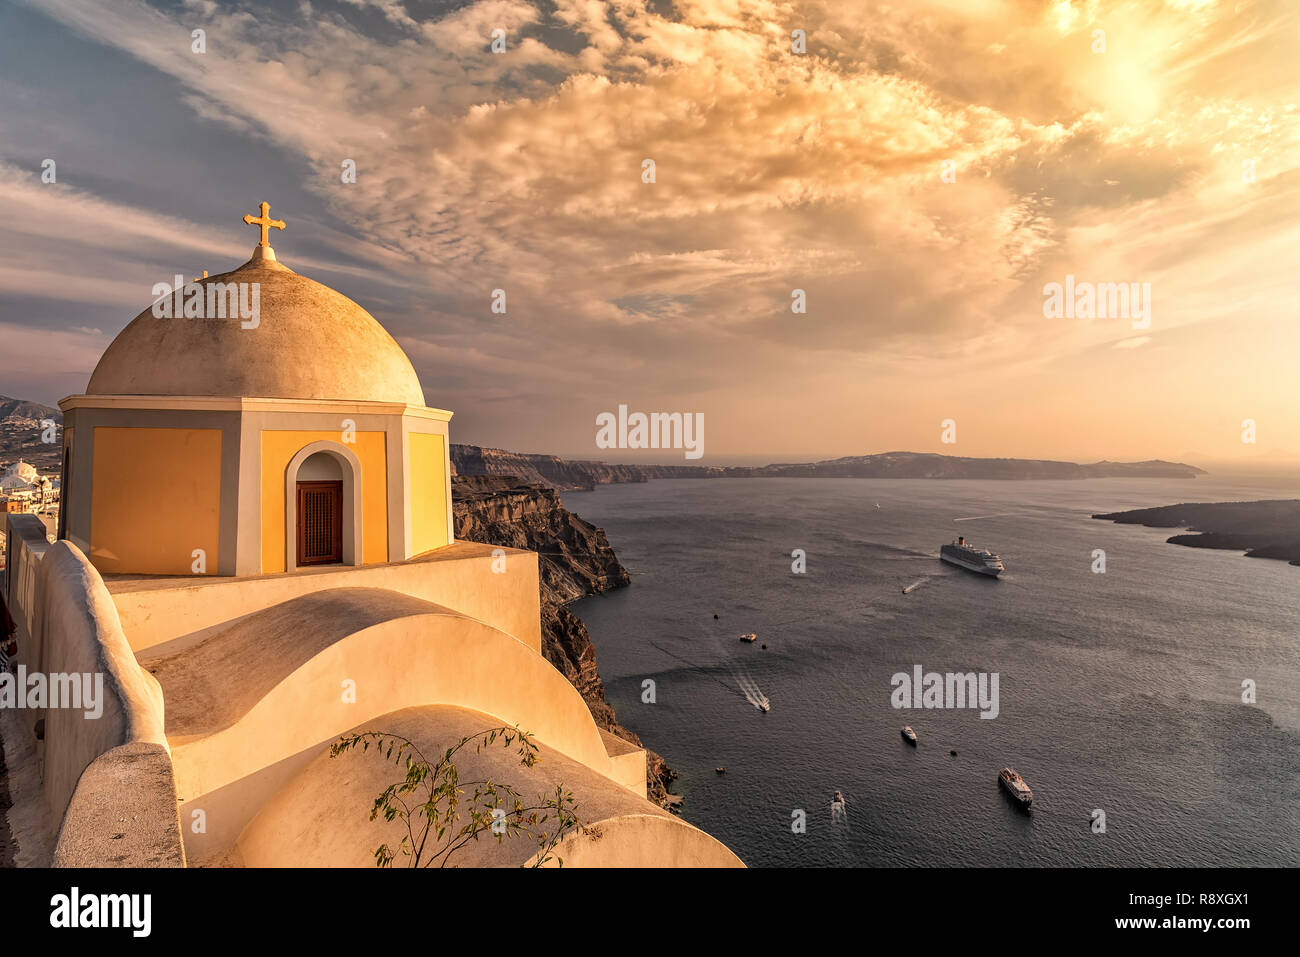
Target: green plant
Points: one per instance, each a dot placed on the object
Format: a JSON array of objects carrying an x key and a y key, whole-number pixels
[{"x": 431, "y": 800}]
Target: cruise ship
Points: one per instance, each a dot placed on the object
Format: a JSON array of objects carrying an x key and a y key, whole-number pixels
[
  {"x": 1016, "y": 786},
  {"x": 964, "y": 555}
]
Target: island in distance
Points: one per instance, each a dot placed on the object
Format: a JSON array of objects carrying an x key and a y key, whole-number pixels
[
  {"x": 1269, "y": 529},
  {"x": 582, "y": 475},
  {"x": 22, "y": 433}
]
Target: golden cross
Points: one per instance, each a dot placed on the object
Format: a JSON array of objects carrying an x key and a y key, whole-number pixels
[{"x": 265, "y": 221}]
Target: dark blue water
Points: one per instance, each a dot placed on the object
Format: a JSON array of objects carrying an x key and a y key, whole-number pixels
[{"x": 1119, "y": 691}]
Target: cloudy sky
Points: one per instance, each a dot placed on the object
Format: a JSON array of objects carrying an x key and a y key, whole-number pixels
[{"x": 1169, "y": 157}]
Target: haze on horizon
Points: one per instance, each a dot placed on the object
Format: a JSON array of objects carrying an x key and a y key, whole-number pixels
[{"x": 775, "y": 171}]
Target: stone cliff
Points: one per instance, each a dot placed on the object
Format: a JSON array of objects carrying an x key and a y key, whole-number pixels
[
  {"x": 547, "y": 470},
  {"x": 574, "y": 560}
]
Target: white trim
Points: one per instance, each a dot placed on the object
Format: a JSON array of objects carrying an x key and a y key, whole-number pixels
[
  {"x": 236, "y": 404},
  {"x": 353, "y": 531}
]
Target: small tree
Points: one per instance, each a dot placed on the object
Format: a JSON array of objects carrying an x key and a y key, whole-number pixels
[{"x": 430, "y": 801}]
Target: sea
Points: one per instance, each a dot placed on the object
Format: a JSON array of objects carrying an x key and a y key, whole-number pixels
[{"x": 1153, "y": 707}]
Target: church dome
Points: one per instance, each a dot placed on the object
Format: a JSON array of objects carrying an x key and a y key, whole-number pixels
[{"x": 307, "y": 342}]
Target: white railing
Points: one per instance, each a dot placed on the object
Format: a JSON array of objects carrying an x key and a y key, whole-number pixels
[{"x": 25, "y": 546}]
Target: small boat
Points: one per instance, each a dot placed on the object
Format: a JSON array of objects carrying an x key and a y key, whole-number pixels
[
  {"x": 839, "y": 813},
  {"x": 763, "y": 706},
  {"x": 1015, "y": 786},
  {"x": 909, "y": 734},
  {"x": 721, "y": 770},
  {"x": 877, "y": 505},
  {"x": 751, "y": 638}
]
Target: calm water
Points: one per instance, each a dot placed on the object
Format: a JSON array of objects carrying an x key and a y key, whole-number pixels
[{"x": 1119, "y": 691}]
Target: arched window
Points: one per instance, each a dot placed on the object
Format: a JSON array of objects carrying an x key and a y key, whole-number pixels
[{"x": 320, "y": 467}]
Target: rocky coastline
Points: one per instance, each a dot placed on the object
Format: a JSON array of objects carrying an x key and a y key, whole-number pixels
[
  {"x": 574, "y": 560},
  {"x": 1267, "y": 529}
]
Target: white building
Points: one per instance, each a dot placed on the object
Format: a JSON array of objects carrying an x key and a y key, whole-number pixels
[{"x": 23, "y": 489}]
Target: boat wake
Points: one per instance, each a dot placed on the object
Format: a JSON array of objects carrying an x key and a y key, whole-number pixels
[
  {"x": 890, "y": 553},
  {"x": 918, "y": 583},
  {"x": 752, "y": 692},
  {"x": 748, "y": 689},
  {"x": 839, "y": 810}
]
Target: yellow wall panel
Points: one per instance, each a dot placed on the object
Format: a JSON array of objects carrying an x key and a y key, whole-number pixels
[
  {"x": 428, "y": 492},
  {"x": 155, "y": 498},
  {"x": 279, "y": 448}
]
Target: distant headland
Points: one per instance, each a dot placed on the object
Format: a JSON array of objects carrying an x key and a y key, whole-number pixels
[
  {"x": 582, "y": 475},
  {"x": 1269, "y": 529},
  {"x": 20, "y": 435}
]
